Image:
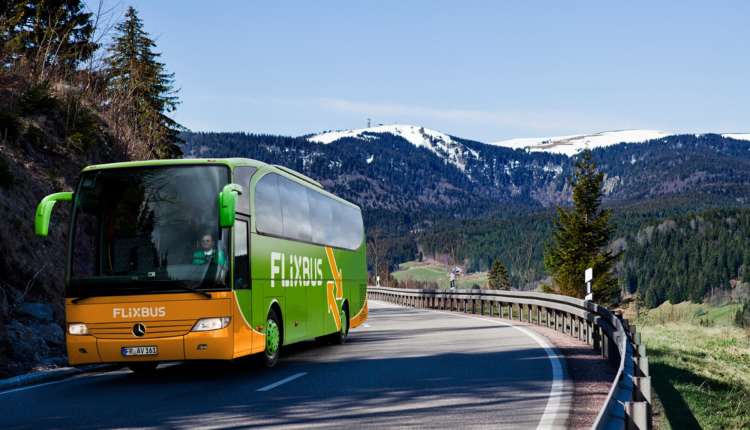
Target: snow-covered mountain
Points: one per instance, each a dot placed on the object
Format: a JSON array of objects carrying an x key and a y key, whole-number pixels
[
  {"x": 572, "y": 145},
  {"x": 439, "y": 143},
  {"x": 456, "y": 153}
]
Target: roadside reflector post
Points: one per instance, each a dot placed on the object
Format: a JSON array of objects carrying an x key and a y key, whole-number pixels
[{"x": 589, "y": 276}]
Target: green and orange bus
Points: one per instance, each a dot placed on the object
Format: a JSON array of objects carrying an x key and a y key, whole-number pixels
[{"x": 206, "y": 259}]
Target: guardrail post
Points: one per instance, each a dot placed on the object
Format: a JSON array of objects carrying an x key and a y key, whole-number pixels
[
  {"x": 492, "y": 308},
  {"x": 538, "y": 315},
  {"x": 473, "y": 306},
  {"x": 606, "y": 345},
  {"x": 580, "y": 329},
  {"x": 573, "y": 323},
  {"x": 557, "y": 320},
  {"x": 596, "y": 337},
  {"x": 520, "y": 312},
  {"x": 546, "y": 316},
  {"x": 637, "y": 416},
  {"x": 642, "y": 392},
  {"x": 641, "y": 366},
  {"x": 510, "y": 311}
]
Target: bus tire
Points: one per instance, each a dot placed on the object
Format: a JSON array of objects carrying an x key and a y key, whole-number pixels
[
  {"x": 143, "y": 366},
  {"x": 339, "y": 337},
  {"x": 273, "y": 340}
]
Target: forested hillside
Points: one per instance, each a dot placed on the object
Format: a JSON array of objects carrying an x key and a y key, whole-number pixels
[
  {"x": 486, "y": 211},
  {"x": 65, "y": 102}
]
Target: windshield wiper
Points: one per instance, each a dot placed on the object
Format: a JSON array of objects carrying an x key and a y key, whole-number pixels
[
  {"x": 191, "y": 289},
  {"x": 74, "y": 301}
]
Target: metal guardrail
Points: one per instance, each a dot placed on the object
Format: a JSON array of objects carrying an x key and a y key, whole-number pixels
[{"x": 628, "y": 403}]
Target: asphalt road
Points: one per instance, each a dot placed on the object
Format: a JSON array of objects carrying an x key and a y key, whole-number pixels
[{"x": 406, "y": 369}]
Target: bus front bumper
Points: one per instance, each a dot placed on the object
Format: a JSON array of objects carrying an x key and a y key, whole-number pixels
[{"x": 207, "y": 345}]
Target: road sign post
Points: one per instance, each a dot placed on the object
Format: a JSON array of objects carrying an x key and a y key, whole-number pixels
[{"x": 589, "y": 275}]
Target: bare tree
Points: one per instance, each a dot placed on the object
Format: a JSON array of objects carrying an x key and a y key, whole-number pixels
[
  {"x": 524, "y": 256},
  {"x": 377, "y": 250}
]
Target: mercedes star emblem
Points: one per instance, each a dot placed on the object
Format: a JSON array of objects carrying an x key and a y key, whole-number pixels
[{"x": 139, "y": 330}]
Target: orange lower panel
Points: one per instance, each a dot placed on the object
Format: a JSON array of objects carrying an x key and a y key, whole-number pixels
[
  {"x": 169, "y": 348},
  {"x": 219, "y": 345},
  {"x": 82, "y": 350},
  {"x": 360, "y": 318}
]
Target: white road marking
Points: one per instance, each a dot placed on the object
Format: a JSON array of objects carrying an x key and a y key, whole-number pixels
[
  {"x": 365, "y": 325},
  {"x": 556, "y": 391},
  {"x": 283, "y": 381}
]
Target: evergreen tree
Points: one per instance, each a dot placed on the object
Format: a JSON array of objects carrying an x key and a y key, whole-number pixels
[
  {"x": 580, "y": 237},
  {"x": 47, "y": 32},
  {"x": 746, "y": 267},
  {"x": 143, "y": 91},
  {"x": 498, "y": 278}
]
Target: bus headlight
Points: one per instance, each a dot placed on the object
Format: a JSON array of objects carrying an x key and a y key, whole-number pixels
[
  {"x": 78, "y": 329},
  {"x": 208, "y": 324}
]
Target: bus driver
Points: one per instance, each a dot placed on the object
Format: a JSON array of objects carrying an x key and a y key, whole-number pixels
[{"x": 209, "y": 254}]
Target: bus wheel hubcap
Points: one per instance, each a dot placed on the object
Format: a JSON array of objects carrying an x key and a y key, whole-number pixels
[
  {"x": 272, "y": 337},
  {"x": 342, "y": 314}
]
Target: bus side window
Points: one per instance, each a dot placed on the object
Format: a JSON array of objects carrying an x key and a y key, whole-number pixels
[
  {"x": 296, "y": 210},
  {"x": 347, "y": 223},
  {"x": 268, "y": 206},
  {"x": 241, "y": 256},
  {"x": 242, "y": 177},
  {"x": 320, "y": 216}
]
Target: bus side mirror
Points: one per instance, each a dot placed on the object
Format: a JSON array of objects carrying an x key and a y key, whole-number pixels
[
  {"x": 44, "y": 210},
  {"x": 228, "y": 204}
]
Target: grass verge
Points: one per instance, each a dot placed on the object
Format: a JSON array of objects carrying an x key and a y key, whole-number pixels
[{"x": 700, "y": 375}]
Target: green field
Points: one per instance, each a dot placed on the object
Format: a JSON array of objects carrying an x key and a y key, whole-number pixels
[
  {"x": 699, "y": 365},
  {"x": 439, "y": 275}
]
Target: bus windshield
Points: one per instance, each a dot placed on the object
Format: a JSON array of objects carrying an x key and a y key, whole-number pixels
[{"x": 148, "y": 230}]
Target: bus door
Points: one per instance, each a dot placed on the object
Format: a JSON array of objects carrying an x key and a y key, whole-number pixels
[{"x": 242, "y": 286}]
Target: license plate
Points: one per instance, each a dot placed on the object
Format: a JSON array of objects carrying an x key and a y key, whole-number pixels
[{"x": 140, "y": 350}]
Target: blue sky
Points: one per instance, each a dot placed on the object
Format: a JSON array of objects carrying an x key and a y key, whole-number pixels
[{"x": 486, "y": 71}]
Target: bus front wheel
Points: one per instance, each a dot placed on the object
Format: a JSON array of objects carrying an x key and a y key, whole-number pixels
[{"x": 273, "y": 340}]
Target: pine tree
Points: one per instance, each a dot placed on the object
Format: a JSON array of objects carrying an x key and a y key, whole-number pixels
[
  {"x": 143, "y": 92},
  {"x": 746, "y": 267},
  {"x": 498, "y": 278},
  {"x": 48, "y": 33},
  {"x": 581, "y": 236}
]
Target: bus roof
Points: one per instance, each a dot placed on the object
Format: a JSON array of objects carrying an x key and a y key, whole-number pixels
[{"x": 231, "y": 162}]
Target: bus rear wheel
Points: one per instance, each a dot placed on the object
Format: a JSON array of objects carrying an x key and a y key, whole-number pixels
[
  {"x": 339, "y": 337},
  {"x": 143, "y": 366},
  {"x": 273, "y": 340}
]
